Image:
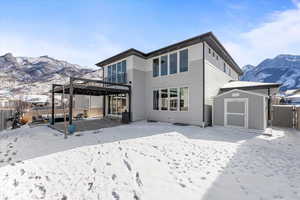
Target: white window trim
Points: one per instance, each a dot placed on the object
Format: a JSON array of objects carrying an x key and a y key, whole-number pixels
[
  {"x": 245, "y": 100},
  {"x": 168, "y": 98},
  {"x": 178, "y": 99},
  {"x": 171, "y": 98},
  {"x": 188, "y": 100}
]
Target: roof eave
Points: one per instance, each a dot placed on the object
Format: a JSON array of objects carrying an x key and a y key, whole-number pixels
[
  {"x": 185, "y": 43},
  {"x": 253, "y": 87}
]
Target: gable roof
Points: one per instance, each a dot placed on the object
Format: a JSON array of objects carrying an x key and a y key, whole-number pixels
[
  {"x": 248, "y": 85},
  {"x": 208, "y": 37},
  {"x": 242, "y": 91}
]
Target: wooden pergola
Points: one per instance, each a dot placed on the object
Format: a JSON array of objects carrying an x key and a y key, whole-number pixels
[{"x": 82, "y": 86}]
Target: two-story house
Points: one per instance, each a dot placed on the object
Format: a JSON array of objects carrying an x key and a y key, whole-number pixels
[{"x": 175, "y": 83}]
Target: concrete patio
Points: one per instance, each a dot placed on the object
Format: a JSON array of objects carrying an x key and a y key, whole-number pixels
[{"x": 88, "y": 124}]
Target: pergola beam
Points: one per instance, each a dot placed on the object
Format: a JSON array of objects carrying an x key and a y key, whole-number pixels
[
  {"x": 74, "y": 88},
  {"x": 71, "y": 102}
]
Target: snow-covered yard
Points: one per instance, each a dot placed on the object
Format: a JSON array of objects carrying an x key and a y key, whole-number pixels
[{"x": 149, "y": 161}]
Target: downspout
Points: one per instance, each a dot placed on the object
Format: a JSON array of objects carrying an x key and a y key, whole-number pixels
[
  {"x": 203, "y": 84},
  {"x": 269, "y": 104}
]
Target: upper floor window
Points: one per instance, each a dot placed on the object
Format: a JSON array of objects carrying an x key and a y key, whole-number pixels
[
  {"x": 213, "y": 54},
  {"x": 117, "y": 72},
  {"x": 209, "y": 50},
  {"x": 124, "y": 70},
  {"x": 155, "y": 67},
  {"x": 109, "y": 73},
  {"x": 164, "y": 65},
  {"x": 113, "y": 73},
  {"x": 224, "y": 68},
  {"x": 170, "y": 64},
  {"x": 173, "y": 63},
  {"x": 183, "y": 55}
]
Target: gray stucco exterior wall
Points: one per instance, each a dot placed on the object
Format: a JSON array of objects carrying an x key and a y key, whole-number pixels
[
  {"x": 257, "y": 109},
  {"x": 191, "y": 79}
]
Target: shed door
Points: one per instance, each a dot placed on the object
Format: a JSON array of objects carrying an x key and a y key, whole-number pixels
[{"x": 236, "y": 112}]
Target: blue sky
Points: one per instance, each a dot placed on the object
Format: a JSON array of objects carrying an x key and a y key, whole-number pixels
[{"x": 85, "y": 32}]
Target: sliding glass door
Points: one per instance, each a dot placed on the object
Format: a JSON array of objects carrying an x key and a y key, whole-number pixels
[{"x": 117, "y": 104}]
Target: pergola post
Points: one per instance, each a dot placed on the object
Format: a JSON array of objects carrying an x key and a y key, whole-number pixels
[
  {"x": 104, "y": 106},
  {"x": 52, "y": 112},
  {"x": 129, "y": 102},
  {"x": 71, "y": 101}
]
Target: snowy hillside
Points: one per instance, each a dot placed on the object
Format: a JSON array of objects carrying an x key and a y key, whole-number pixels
[
  {"x": 21, "y": 75},
  {"x": 149, "y": 161},
  {"x": 283, "y": 69}
]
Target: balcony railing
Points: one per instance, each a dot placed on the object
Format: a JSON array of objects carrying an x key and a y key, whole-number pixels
[{"x": 119, "y": 78}]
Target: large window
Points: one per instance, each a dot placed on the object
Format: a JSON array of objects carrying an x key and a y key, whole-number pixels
[
  {"x": 164, "y": 99},
  {"x": 184, "y": 98},
  {"x": 156, "y": 100},
  {"x": 117, "y": 104},
  {"x": 183, "y": 55},
  {"x": 113, "y": 74},
  {"x": 173, "y": 99},
  {"x": 124, "y": 69},
  {"x": 173, "y": 63},
  {"x": 109, "y": 73},
  {"x": 119, "y": 72},
  {"x": 164, "y": 65},
  {"x": 155, "y": 67}
]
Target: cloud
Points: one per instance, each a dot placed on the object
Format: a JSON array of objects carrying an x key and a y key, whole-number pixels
[
  {"x": 296, "y": 2},
  {"x": 96, "y": 48},
  {"x": 279, "y": 35}
]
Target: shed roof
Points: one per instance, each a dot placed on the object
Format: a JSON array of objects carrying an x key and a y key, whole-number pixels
[
  {"x": 249, "y": 85},
  {"x": 242, "y": 91}
]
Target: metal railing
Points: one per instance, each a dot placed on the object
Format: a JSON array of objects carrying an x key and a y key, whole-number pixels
[{"x": 120, "y": 78}]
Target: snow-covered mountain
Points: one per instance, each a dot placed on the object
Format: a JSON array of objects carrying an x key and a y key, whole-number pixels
[
  {"x": 20, "y": 75},
  {"x": 283, "y": 69}
]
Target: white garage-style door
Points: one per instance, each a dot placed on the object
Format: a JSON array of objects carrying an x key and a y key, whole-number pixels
[{"x": 236, "y": 112}]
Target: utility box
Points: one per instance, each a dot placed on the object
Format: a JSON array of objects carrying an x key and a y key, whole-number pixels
[{"x": 125, "y": 117}]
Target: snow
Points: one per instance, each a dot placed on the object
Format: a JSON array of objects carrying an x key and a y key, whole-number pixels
[
  {"x": 150, "y": 161},
  {"x": 36, "y": 98},
  {"x": 236, "y": 84}
]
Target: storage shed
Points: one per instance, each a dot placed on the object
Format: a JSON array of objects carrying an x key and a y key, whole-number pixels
[{"x": 239, "y": 108}]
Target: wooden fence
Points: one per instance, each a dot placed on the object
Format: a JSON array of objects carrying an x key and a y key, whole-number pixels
[
  {"x": 286, "y": 116},
  {"x": 4, "y": 114}
]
